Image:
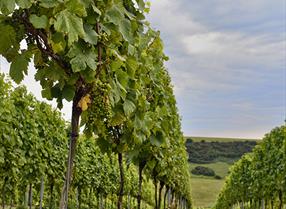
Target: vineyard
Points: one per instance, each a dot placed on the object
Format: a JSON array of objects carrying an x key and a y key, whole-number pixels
[
  {"x": 258, "y": 179},
  {"x": 124, "y": 147},
  {"x": 34, "y": 147},
  {"x": 92, "y": 53}
]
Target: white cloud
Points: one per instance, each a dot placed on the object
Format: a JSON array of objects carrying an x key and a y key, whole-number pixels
[
  {"x": 219, "y": 49},
  {"x": 232, "y": 44},
  {"x": 203, "y": 43}
]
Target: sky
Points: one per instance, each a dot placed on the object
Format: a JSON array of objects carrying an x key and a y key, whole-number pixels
[{"x": 227, "y": 64}]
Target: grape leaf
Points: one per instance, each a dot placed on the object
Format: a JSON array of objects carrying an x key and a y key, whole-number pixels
[
  {"x": 49, "y": 3},
  {"x": 158, "y": 139},
  {"x": 128, "y": 107},
  {"x": 90, "y": 35},
  {"x": 8, "y": 43},
  {"x": 114, "y": 14},
  {"x": 76, "y": 7},
  {"x": 19, "y": 66},
  {"x": 82, "y": 58},
  {"x": 141, "y": 4},
  {"x": 122, "y": 77},
  {"x": 39, "y": 22},
  {"x": 125, "y": 30},
  {"x": 24, "y": 3},
  {"x": 46, "y": 93},
  {"x": 68, "y": 93},
  {"x": 69, "y": 24},
  {"x": 7, "y": 6}
]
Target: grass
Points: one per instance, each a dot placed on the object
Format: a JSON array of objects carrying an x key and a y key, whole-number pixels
[
  {"x": 220, "y": 168},
  {"x": 218, "y": 139},
  {"x": 205, "y": 191}
]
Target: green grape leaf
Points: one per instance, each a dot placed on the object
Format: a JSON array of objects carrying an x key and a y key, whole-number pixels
[
  {"x": 132, "y": 65},
  {"x": 157, "y": 139},
  {"x": 8, "y": 45},
  {"x": 128, "y": 107},
  {"x": 141, "y": 4},
  {"x": 133, "y": 154},
  {"x": 7, "y": 6},
  {"x": 46, "y": 93},
  {"x": 96, "y": 10},
  {"x": 24, "y": 3},
  {"x": 116, "y": 64},
  {"x": 115, "y": 15},
  {"x": 56, "y": 91},
  {"x": 125, "y": 30},
  {"x": 82, "y": 58},
  {"x": 68, "y": 93},
  {"x": 19, "y": 67},
  {"x": 90, "y": 36},
  {"x": 76, "y": 7},
  {"x": 58, "y": 42},
  {"x": 122, "y": 77},
  {"x": 49, "y": 3},
  {"x": 39, "y": 22},
  {"x": 69, "y": 24}
]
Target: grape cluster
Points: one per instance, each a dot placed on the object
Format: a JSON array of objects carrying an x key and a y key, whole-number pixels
[{"x": 99, "y": 113}]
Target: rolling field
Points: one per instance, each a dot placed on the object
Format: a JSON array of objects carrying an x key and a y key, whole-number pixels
[
  {"x": 220, "y": 168},
  {"x": 206, "y": 189}
]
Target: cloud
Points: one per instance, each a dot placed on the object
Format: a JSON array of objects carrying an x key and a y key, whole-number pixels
[
  {"x": 227, "y": 63},
  {"x": 231, "y": 43}
]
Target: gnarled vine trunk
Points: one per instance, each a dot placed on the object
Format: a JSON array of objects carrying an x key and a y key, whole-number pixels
[
  {"x": 165, "y": 196},
  {"x": 141, "y": 167},
  {"x": 76, "y": 112},
  {"x": 121, "y": 187},
  {"x": 160, "y": 194},
  {"x": 156, "y": 193},
  {"x": 280, "y": 200},
  {"x": 42, "y": 192},
  {"x": 30, "y": 201}
]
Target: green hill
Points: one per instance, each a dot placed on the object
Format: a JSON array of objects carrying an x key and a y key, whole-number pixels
[
  {"x": 210, "y": 150},
  {"x": 218, "y": 139},
  {"x": 217, "y": 154}
]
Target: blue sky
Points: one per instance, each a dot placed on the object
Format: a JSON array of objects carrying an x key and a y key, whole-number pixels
[{"x": 227, "y": 63}]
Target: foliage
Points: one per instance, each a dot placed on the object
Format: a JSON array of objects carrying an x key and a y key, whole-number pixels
[
  {"x": 258, "y": 178},
  {"x": 104, "y": 57},
  {"x": 202, "y": 170},
  {"x": 33, "y": 142},
  {"x": 209, "y": 152}
]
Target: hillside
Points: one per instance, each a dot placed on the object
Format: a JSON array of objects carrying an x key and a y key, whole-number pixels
[
  {"x": 209, "y": 150},
  {"x": 217, "y": 154}
]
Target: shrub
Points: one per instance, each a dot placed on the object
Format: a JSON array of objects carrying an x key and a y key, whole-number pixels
[
  {"x": 201, "y": 170},
  {"x": 217, "y": 177}
]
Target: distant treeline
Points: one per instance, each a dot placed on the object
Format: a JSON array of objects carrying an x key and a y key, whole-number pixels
[{"x": 208, "y": 152}]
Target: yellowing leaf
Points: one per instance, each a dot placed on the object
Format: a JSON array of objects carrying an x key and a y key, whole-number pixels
[{"x": 84, "y": 101}]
